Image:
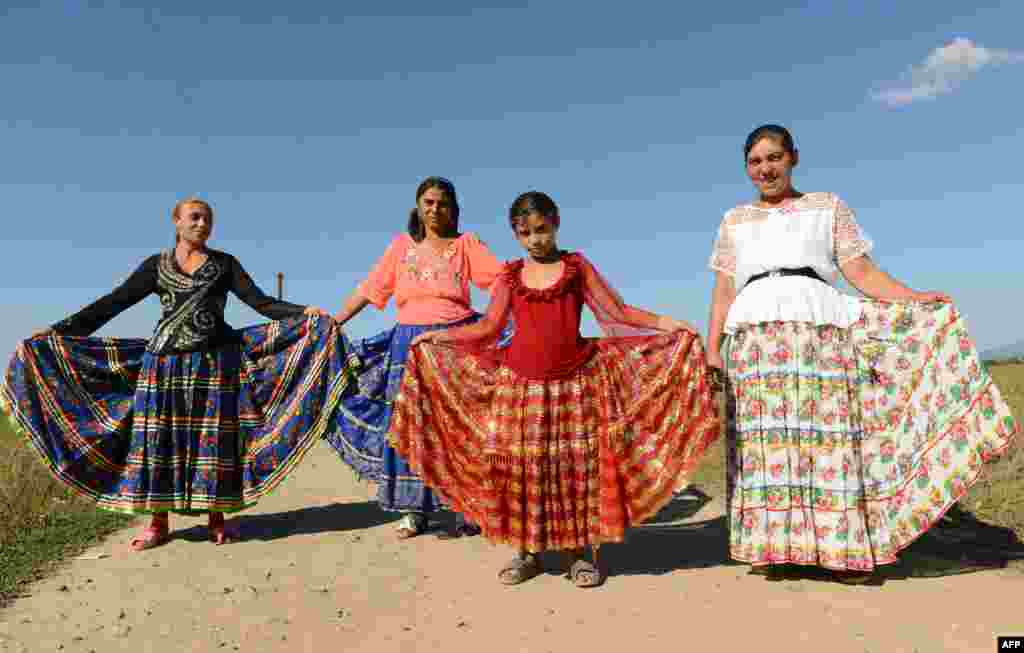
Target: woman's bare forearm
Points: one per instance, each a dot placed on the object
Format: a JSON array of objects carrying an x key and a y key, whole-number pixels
[
  {"x": 355, "y": 303},
  {"x": 865, "y": 275},
  {"x": 722, "y": 297}
]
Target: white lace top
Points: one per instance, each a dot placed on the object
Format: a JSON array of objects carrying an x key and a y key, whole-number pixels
[{"x": 817, "y": 230}]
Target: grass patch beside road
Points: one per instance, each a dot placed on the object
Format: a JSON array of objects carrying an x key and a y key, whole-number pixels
[
  {"x": 41, "y": 520},
  {"x": 998, "y": 498}
]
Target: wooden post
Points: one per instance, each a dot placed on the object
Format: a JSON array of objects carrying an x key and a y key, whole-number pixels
[{"x": 280, "y": 286}]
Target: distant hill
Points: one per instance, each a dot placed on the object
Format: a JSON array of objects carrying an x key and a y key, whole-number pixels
[{"x": 1015, "y": 350}]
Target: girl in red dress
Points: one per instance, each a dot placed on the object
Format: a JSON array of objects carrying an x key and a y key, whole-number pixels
[{"x": 556, "y": 442}]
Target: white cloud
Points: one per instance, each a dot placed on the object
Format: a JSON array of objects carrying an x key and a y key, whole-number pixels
[{"x": 944, "y": 70}]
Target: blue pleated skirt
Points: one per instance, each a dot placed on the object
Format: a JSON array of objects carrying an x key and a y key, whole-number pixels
[{"x": 359, "y": 433}]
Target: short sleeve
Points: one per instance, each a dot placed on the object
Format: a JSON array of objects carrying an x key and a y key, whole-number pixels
[
  {"x": 849, "y": 240},
  {"x": 723, "y": 252},
  {"x": 484, "y": 267},
  {"x": 379, "y": 284}
]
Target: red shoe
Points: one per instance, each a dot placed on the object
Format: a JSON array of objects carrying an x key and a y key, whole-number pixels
[
  {"x": 152, "y": 536},
  {"x": 223, "y": 533}
]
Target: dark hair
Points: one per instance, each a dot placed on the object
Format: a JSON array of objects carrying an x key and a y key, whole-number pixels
[
  {"x": 416, "y": 228},
  {"x": 533, "y": 202},
  {"x": 774, "y": 132}
]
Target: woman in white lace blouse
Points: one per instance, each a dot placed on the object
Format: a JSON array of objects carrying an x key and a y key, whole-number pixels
[{"x": 854, "y": 424}]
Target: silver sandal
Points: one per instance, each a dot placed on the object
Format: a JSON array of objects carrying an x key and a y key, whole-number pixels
[{"x": 519, "y": 570}]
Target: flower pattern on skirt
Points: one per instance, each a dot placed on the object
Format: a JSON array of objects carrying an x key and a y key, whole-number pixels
[{"x": 845, "y": 445}]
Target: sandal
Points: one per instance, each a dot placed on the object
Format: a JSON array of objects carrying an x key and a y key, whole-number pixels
[
  {"x": 152, "y": 536},
  {"x": 585, "y": 573},
  {"x": 519, "y": 570},
  {"x": 411, "y": 525}
]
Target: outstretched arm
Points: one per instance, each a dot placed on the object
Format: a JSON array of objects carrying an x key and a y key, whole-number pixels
[
  {"x": 867, "y": 277},
  {"x": 378, "y": 286},
  {"x": 91, "y": 318},
  {"x": 616, "y": 317},
  {"x": 484, "y": 332},
  {"x": 851, "y": 255},
  {"x": 246, "y": 289},
  {"x": 355, "y": 303}
]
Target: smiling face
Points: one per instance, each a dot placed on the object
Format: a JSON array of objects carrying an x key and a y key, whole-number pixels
[
  {"x": 194, "y": 223},
  {"x": 537, "y": 235},
  {"x": 435, "y": 210},
  {"x": 770, "y": 167}
]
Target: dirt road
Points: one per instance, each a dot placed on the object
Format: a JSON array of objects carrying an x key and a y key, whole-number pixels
[{"x": 321, "y": 570}]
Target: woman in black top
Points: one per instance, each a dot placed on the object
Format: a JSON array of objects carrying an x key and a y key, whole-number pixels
[{"x": 200, "y": 418}]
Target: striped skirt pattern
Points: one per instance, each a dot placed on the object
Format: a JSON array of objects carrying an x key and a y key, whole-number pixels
[
  {"x": 558, "y": 464},
  {"x": 190, "y": 432},
  {"x": 359, "y": 433}
]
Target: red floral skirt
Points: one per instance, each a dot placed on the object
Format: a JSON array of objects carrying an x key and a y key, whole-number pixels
[{"x": 558, "y": 464}]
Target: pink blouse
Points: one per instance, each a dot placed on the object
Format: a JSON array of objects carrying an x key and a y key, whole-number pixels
[{"x": 429, "y": 288}]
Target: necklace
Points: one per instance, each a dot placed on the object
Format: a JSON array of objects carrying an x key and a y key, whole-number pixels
[{"x": 439, "y": 246}]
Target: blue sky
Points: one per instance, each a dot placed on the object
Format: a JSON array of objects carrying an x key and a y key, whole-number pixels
[{"x": 309, "y": 126}]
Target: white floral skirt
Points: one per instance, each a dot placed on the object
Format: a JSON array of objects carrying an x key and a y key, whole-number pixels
[{"x": 845, "y": 445}]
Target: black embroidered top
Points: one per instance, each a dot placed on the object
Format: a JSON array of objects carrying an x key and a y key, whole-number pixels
[{"x": 193, "y": 305}]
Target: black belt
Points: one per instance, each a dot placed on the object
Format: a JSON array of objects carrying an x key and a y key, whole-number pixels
[{"x": 806, "y": 271}]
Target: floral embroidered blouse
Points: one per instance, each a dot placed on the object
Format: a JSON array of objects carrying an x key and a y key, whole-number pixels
[
  {"x": 193, "y": 304},
  {"x": 816, "y": 230},
  {"x": 547, "y": 343},
  {"x": 429, "y": 288}
]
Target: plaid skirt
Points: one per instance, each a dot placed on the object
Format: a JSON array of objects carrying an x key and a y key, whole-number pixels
[
  {"x": 846, "y": 445},
  {"x": 205, "y": 431},
  {"x": 558, "y": 464}
]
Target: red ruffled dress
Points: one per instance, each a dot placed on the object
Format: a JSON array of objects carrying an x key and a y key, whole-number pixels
[{"x": 557, "y": 441}]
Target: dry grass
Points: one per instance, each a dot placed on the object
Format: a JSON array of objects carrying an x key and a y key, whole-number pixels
[
  {"x": 710, "y": 473},
  {"x": 41, "y": 520},
  {"x": 998, "y": 498},
  {"x": 27, "y": 492}
]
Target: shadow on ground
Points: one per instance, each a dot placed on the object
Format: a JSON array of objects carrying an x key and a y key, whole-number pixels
[
  {"x": 333, "y": 518},
  {"x": 667, "y": 542},
  {"x": 957, "y": 544}
]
